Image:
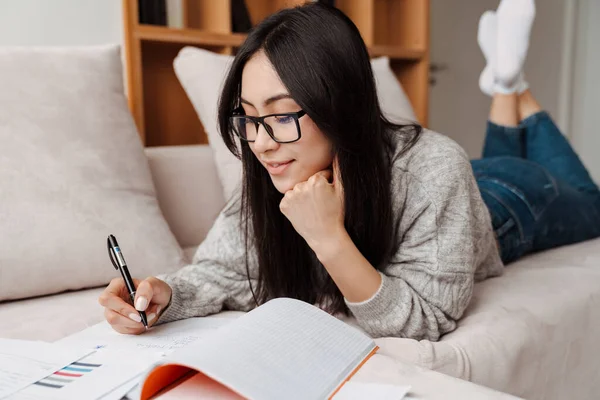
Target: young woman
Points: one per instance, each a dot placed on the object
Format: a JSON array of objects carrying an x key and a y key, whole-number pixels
[{"x": 344, "y": 209}]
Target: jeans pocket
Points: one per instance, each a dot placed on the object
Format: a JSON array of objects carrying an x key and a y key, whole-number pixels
[
  {"x": 522, "y": 180},
  {"x": 518, "y": 193},
  {"x": 512, "y": 245},
  {"x": 510, "y": 235}
]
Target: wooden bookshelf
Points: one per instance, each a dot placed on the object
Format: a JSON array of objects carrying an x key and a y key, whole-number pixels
[{"x": 165, "y": 116}]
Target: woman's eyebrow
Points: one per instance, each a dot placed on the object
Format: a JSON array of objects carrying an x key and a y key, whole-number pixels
[{"x": 270, "y": 100}]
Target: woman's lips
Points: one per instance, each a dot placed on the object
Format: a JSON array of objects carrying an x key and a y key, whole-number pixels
[{"x": 278, "y": 168}]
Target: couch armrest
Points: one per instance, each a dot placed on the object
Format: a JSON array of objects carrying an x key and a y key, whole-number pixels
[{"x": 188, "y": 189}]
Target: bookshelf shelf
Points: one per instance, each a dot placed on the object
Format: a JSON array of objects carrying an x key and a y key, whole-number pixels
[
  {"x": 188, "y": 36},
  {"x": 153, "y": 33},
  {"x": 396, "y": 52},
  {"x": 398, "y": 29}
]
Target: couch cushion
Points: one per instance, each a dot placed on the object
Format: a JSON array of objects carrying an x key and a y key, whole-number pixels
[
  {"x": 188, "y": 190},
  {"x": 72, "y": 171},
  {"x": 532, "y": 332},
  {"x": 202, "y": 73},
  {"x": 50, "y": 318}
]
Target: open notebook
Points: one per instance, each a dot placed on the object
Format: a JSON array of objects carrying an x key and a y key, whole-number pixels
[{"x": 283, "y": 349}]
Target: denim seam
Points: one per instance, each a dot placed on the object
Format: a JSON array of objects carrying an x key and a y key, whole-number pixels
[
  {"x": 505, "y": 227},
  {"x": 514, "y": 190},
  {"x": 533, "y": 119},
  {"x": 491, "y": 162},
  {"x": 522, "y": 196},
  {"x": 513, "y": 130},
  {"x": 512, "y": 213}
]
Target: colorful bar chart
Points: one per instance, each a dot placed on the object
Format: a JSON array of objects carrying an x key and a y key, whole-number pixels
[{"x": 68, "y": 374}]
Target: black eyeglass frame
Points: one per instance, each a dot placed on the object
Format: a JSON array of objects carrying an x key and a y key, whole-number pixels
[{"x": 261, "y": 120}]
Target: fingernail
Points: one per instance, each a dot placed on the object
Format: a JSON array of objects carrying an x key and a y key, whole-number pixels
[
  {"x": 158, "y": 310},
  {"x": 141, "y": 303},
  {"x": 151, "y": 317},
  {"x": 135, "y": 317}
]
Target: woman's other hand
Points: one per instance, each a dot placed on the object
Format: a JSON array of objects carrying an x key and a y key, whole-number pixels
[{"x": 316, "y": 208}]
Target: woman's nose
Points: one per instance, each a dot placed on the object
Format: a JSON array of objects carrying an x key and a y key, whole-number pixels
[{"x": 264, "y": 141}]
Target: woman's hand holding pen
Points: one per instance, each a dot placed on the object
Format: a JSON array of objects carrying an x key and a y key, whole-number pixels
[{"x": 152, "y": 296}]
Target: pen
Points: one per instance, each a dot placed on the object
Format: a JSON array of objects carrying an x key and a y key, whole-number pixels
[{"x": 114, "y": 252}]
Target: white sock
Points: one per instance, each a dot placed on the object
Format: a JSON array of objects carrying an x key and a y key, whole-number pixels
[
  {"x": 515, "y": 19},
  {"x": 486, "y": 38},
  {"x": 489, "y": 86},
  {"x": 522, "y": 84}
]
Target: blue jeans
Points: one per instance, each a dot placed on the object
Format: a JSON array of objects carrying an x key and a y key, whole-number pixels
[{"x": 538, "y": 191}]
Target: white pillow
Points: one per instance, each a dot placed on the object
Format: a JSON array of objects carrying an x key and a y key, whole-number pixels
[
  {"x": 202, "y": 74},
  {"x": 72, "y": 171},
  {"x": 393, "y": 101}
]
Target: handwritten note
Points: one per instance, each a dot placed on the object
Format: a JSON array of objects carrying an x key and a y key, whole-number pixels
[{"x": 162, "y": 339}]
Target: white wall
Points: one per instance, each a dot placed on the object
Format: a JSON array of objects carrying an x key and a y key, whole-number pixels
[
  {"x": 457, "y": 108},
  {"x": 60, "y": 22},
  {"x": 585, "y": 111},
  {"x": 543, "y": 68}
]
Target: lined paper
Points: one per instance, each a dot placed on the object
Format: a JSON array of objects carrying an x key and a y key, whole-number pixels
[{"x": 284, "y": 349}]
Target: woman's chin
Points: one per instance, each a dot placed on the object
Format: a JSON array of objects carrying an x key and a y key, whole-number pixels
[{"x": 282, "y": 184}]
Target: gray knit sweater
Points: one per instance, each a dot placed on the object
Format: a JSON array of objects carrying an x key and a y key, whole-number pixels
[{"x": 444, "y": 243}]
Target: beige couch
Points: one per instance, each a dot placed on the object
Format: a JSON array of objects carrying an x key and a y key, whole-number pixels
[{"x": 532, "y": 332}]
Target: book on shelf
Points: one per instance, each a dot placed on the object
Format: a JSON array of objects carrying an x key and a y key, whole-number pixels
[
  {"x": 175, "y": 14},
  {"x": 240, "y": 17},
  {"x": 285, "y": 348},
  {"x": 152, "y": 12}
]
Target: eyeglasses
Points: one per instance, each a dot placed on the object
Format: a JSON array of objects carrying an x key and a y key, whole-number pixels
[{"x": 282, "y": 128}]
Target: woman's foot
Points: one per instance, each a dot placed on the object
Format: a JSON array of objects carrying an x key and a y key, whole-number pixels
[
  {"x": 514, "y": 21},
  {"x": 487, "y": 38}
]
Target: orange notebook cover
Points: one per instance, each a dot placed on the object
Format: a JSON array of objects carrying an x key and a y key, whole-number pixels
[{"x": 283, "y": 349}]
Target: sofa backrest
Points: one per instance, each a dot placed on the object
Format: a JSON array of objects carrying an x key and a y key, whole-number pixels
[{"x": 188, "y": 190}]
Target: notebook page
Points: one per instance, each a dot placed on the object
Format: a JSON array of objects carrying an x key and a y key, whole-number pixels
[
  {"x": 161, "y": 339},
  {"x": 283, "y": 349}
]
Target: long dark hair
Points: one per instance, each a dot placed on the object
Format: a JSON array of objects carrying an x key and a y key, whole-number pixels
[{"x": 322, "y": 60}]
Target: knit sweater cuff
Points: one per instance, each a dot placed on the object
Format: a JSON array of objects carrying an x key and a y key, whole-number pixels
[
  {"x": 175, "y": 310},
  {"x": 374, "y": 310}
]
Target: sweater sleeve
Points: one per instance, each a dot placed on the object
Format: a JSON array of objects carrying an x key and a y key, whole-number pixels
[
  {"x": 429, "y": 279},
  {"x": 217, "y": 277}
]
